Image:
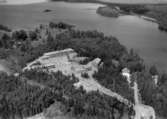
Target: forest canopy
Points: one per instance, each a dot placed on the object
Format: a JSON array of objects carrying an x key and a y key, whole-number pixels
[{"x": 25, "y": 46}]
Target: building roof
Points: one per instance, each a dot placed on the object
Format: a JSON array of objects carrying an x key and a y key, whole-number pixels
[
  {"x": 60, "y": 51},
  {"x": 125, "y": 70}
]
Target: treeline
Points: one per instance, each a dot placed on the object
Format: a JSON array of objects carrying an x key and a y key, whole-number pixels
[
  {"x": 60, "y": 25},
  {"x": 5, "y": 28},
  {"x": 138, "y": 9}
]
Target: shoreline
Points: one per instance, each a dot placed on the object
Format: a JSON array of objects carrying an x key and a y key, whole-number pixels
[
  {"x": 149, "y": 19},
  {"x": 116, "y": 10}
]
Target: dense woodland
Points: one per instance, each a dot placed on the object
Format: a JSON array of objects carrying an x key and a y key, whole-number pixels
[
  {"x": 19, "y": 48},
  {"x": 20, "y": 98}
]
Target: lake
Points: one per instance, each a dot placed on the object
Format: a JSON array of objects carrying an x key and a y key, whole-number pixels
[
  {"x": 132, "y": 31},
  {"x": 16, "y": 2}
]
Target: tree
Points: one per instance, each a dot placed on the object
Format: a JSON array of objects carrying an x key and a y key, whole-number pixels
[
  {"x": 20, "y": 35},
  {"x": 33, "y": 35},
  {"x": 163, "y": 79},
  {"x": 6, "y": 41},
  {"x": 153, "y": 70}
]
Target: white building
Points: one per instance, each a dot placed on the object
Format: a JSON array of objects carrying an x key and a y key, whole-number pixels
[
  {"x": 155, "y": 78},
  {"x": 126, "y": 74}
]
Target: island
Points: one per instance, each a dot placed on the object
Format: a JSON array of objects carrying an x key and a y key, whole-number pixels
[{"x": 108, "y": 11}]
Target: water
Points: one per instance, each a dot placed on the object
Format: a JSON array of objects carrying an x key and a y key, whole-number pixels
[
  {"x": 18, "y": 2},
  {"x": 131, "y": 31}
]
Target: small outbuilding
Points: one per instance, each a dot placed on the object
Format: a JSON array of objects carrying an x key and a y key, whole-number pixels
[{"x": 126, "y": 74}]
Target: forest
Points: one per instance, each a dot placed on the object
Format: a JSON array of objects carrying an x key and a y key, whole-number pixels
[
  {"x": 20, "y": 98},
  {"x": 19, "y": 48}
]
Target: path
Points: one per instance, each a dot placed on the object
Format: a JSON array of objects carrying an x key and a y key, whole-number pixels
[{"x": 141, "y": 111}]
